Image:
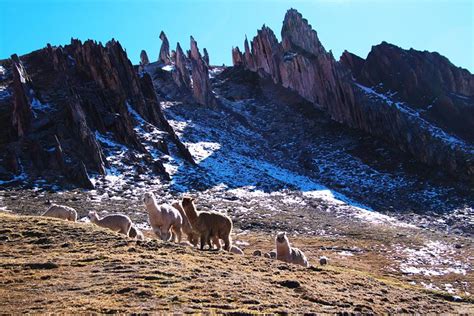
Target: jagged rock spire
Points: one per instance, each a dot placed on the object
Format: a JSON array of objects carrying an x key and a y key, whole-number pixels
[
  {"x": 144, "y": 58},
  {"x": 205, "y": 57},
  {"x": 301, "y": 63},
  {"x": 164, "y": 56},
  {"x": 202, "y": 92},
  {"x": 181, "y": 73}
]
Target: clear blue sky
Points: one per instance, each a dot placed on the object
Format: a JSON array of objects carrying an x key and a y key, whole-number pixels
[{"x": 444, "y": 26}]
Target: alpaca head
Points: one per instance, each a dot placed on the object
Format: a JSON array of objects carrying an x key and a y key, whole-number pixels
[
  {"x": 187, "y": 201},
  {"x": 149, "y": 198},
  {"x": 92, "y": 216},
  {"x": 281, "y": 238}
]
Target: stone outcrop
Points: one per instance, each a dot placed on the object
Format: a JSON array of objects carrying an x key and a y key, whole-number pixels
[
  {"x": 205, "y": 57},
  {"x": 181, "y": 74},
  {"x": 300, "y": 62},
  {"x": 202, "y": 91},
  {"x": 21, "y": 114},
  {"x": 425, "y": 80},
  {"x": 144, "y": 58},
  {"x": 164, "y": 56},
  {"x": 68, "y": 100},
  {"x": 353, "y": 62}
]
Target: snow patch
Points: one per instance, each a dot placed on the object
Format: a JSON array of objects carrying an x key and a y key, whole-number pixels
[
  {"x": 435, "y": 258},
  {"x": 202, "y": 150}
]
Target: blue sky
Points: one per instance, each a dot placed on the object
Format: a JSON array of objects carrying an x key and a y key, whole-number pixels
[{"x": 435, "y": 25}]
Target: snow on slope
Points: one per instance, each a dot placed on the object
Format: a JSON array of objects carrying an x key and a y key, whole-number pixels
[
  {"x": 414, "y": 115},
  {"x": 231, "y": 164}
]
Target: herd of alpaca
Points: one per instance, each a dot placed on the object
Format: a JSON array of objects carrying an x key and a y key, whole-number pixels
[{"x": 169, "y": 222}]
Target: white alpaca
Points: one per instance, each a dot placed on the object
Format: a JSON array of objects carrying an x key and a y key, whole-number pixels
[
  {"x": 116, "y": 222},
  {"x": 61, "y": 211},
  {"x": 285, "y": 252},
  {"x": 165, "y": 220}
]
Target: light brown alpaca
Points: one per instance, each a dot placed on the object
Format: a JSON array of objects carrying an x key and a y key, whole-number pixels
[
  {"x": 285, "y": 252},
  {"x": 61, "y": 211},
  {"x": 193, "y": 236},
  {"x": 210, "y": 225},
  {"x": 116, "y": 222}
]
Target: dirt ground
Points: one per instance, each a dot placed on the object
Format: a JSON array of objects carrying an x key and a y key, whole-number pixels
[{"x": 51, "y": 265}]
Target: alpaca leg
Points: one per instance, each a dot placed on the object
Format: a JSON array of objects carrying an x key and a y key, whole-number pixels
[
  {"x": 191, "y": 239},
  {"x": 204, "y": 239},
  {"x": 126, "y": 230},
  {"x": 209, "y": 243},
  {"x": 227, "y": 242},
  {"x": 216, "y": 241},
  {"x": 194, "y": 239},
  {"x": 180, "y": 234},
  {"x": 165, "y": 234}
]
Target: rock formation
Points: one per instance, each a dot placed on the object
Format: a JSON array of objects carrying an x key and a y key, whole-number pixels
[
  {"x": 301, "y": 64},
  {"x": 181, "y": 74},
  {"x": 144, "y": 58},
  {"x": 68, "y": 102},
  {"x": 22, "y": 114},
  {"x": 164, "y": 56},
  {"x": 427, "y": 81},
  {"x": 202, "y": 92},
  {"x": 205, "y": 57}
]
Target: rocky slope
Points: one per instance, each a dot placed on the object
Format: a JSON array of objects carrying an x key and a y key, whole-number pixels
[
  {"x": 385, "y": 97},
  {"x": 61, "y": 105},
  {"x": 441, "y": 92}
]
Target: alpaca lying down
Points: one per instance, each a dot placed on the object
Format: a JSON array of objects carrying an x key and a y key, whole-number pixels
[
  {"x": 285, "y": 252},
  {"x": 165, "y": 220}
]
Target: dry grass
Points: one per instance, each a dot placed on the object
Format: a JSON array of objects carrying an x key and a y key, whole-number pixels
[{"x": 49, "y": 265}]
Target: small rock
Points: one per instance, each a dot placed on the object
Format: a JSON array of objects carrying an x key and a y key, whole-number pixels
[
  {"x": 291, "y": 284},
  {"x": 257, "y": 253},
  {"x": 323, "y": 260}
]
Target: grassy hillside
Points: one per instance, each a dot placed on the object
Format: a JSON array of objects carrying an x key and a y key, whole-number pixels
[{"x": 49, "y": 265}]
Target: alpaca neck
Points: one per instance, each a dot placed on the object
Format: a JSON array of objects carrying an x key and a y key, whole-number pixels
[
  {"x": 191, "y": 213},
  {"x": 152, "y": 209},
  {"x": 95, "y": 219},
  {"x": 283, "y": 249}
]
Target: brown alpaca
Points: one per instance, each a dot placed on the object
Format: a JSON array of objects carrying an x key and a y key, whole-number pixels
[
  {"x": 210, "y": 225},
  {"x": 193, "y": 236}
]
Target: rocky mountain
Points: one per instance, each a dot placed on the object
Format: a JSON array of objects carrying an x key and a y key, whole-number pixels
[
  {"x": 83, "y": 115},
  {"x": 366, "y": 161},
  {"x": 414, "y": 100},
  {"x": 60, "y": 106}
]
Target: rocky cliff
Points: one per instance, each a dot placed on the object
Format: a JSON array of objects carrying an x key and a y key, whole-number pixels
[
  {"x": 442, "y": 92},
  {"x": 346, "y": 91},
  {"x": 61, "y": 105}
]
